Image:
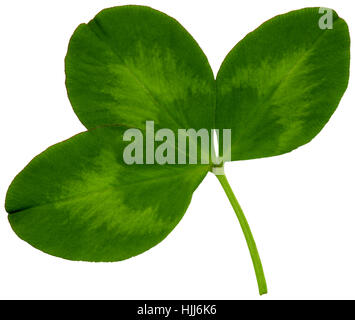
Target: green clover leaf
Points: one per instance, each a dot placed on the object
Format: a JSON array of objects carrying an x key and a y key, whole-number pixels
[
  {"x": 279, "y": 86},
  {"x": 275, "y": 90},
  {"x": 131, "y": 64}
]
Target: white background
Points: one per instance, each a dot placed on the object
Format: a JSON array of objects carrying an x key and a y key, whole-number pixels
[{"x": 300, "y": 205}]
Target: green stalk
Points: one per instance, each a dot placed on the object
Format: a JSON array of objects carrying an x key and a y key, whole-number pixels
[{"x": 260, "y": 277}]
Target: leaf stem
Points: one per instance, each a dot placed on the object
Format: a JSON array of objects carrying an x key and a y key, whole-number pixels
[{"x": 260, "y": 277}]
